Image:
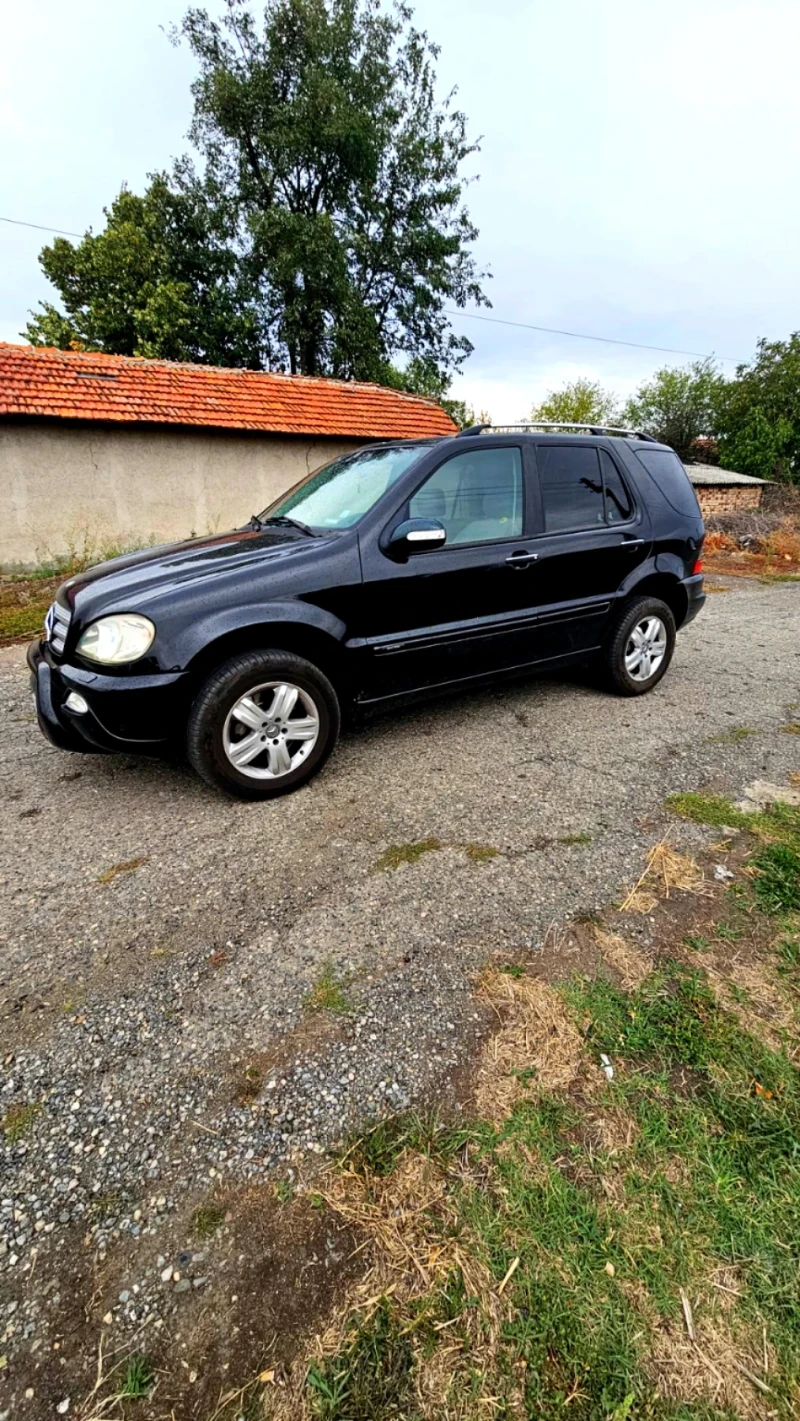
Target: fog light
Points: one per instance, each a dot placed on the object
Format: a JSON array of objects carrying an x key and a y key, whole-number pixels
[{"x": 76, "y": 703}]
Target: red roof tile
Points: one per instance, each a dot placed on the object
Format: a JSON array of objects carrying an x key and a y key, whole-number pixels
[{"x": 63, "y": 384}]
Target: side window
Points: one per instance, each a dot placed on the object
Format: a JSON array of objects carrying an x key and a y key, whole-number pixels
[
  {"x": 618, "y": 501},
  {"x": 671, "y": 477},
  {"x": 572, "y": 487},
  {"x": 476, "y": 496}
]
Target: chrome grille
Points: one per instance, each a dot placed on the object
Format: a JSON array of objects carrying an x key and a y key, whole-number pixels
[{"x": 56, "y": 626}]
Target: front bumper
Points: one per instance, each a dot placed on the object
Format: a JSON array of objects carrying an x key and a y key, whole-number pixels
[
  {"x": 695, "y": 596},
  {"x": 126, "y": 715}
]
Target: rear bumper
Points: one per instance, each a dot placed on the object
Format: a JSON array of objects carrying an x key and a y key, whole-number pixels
[
  {"x": 695, "y": 596},
  {"x": 127, "y": 714}
]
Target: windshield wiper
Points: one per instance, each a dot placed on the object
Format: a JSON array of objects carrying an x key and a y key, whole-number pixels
[{"x": 281, "y": 521}]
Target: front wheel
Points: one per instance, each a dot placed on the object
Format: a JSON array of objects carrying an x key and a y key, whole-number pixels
[
  {"x": 640, "y": 647},
  {"x": 263, "y": 724}
]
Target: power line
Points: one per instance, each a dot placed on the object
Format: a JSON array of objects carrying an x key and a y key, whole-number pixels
[
  {"x": 471, "y": 316},
  {"x": 581, "y": 335},
  {"x": 59, "y": 231}
]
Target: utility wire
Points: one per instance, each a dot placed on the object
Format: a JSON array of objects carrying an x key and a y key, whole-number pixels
[
  {"x": 471, "y": 316},
  {"x": 59, "y": 231},
  {"x": 581, "y": 335}
]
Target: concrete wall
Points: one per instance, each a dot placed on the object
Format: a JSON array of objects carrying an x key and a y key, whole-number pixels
[
  {"x": 66, "y": 487},
  {"x": 728, "y": 498}
]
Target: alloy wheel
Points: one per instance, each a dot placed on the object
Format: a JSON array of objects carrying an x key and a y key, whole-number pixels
[
  {"x": 645, "y": 649},
  {"x": 271, "y": 730}
]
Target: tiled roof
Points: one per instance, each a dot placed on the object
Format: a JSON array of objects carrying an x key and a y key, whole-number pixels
[
  {"x": 708, "y": 475},
  {"x": 62, "y": 384}
]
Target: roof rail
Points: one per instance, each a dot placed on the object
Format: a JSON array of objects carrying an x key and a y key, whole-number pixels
[{"x": 598, "y": 429}]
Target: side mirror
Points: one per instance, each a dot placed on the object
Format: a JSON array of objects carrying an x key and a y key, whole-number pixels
[{"x": 416, "y": 535}]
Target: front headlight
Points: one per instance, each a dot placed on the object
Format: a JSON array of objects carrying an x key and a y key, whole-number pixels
[{"x": 125, "y": 636}]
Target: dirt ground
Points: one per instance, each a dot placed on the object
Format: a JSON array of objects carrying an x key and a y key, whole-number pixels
[{"x": 198, "y": 997}]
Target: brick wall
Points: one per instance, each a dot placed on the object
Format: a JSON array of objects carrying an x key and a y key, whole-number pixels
[{"x": 728, "y": 498}]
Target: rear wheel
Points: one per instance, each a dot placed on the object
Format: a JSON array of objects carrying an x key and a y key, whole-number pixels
[
  {"x": 263, "y": 724},
  {"x": 640, "y": 646}
]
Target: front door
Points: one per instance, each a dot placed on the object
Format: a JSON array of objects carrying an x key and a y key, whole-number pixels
[{"x": 463, "y": 610}]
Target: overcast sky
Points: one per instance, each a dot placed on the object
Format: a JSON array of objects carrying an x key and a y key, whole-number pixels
[{"x": 638, "y": 174}]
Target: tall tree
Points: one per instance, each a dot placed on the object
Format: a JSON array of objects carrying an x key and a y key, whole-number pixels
[
  {"x": 163, "y": 279},
  {"x": 328, "y": 234},
  {"x": 321, "y": 126},
  {"x": 677, "y": 406},
  {"x": 580, "y": 401},
  {"x": 758, "y": 422}
]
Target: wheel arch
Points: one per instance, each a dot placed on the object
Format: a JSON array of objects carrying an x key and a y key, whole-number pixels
[
  {"x": 667, "y": 587},
  {"x": 317, "y": 639}
]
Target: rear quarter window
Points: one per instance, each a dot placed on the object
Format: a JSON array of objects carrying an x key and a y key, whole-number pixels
[{"x": 672, "y": 479}]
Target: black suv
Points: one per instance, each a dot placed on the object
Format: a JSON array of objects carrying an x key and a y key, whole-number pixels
[{"x": 399, "y": 570}]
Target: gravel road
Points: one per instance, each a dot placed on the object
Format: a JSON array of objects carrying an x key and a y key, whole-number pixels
[{"x": 164, "y": 951}]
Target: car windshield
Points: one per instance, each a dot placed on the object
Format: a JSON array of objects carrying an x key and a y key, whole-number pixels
[{"x": 337, "y": 495}]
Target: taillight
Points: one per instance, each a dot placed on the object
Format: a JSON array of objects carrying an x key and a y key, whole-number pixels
[{"x": 698, "y": 567}]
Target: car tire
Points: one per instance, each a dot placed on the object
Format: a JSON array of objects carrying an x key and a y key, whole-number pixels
[
  {"x": 281, "y": 705},
  {"x": 639, "y": 647}
]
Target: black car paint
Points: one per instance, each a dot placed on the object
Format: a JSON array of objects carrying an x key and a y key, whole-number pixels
[{"x": 384, "y": 629}]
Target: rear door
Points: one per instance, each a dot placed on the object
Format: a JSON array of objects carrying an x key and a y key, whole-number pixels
[{"x": 592, "y": 536}]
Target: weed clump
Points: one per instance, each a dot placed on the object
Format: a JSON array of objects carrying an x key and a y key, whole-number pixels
[
  {"x": 328, "y": 993},
  {"x": 398, "y": 854}
]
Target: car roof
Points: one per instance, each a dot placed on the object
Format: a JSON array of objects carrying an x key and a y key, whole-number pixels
[{"x": 471, "y": 438}]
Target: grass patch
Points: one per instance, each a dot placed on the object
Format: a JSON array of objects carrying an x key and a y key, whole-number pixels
[
  {"x": 376, "y": 1152},
  {"x": 137, "y": 1380},
  {"x": 206, "y": 1219},
  {"x": 26, "y": 620},
  {"x": 328, "y": 993},
  {"x": 777, "y": 879},
  {"x": 734, "y": 736},
  {"x": 249, "y": 1084},
  {"x": 575, "y": 839},
  {"x": 480, "y": 853},
  {"x": 18, "y": 1120},
  {"x": 370, "y": 1378},
  {"x": 398, "y": 854},
  {"x": 710, "y": 809},
  {"x": 793, "y": 729},
  {"x": 540, "y": 1258}
]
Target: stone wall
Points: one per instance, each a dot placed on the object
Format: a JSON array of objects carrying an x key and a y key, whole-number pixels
[
  {"x": 66, "y": 487},
  {"x": 728, "y": 498}
]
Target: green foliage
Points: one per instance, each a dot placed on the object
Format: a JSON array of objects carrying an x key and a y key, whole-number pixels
[
  {"x": 708, "y": 809},
  {"x": 138, "y": 1379},
  {"x": 398, "y": 854},
  {"x": 328, "y": 993},
  {"x": 758, "y": 424},
  {"x": 320, "y": 127},
  {"x": 328, "y": 231},
  {"x": 677, "y": 406},
  {"x": 164, "y": 279},
  {"x": 206, "y": 1219},
  {"x": 422, "y": 377},
  {"x": 378, "y": 1150},
  {"x": 579, "y": 402},
  {"x": 777, "y": 881},
  {"x": 370, "y": 1378},
  {"x": 18, "y": 1120}
]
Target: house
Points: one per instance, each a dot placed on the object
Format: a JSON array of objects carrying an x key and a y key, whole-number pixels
[
  {"x": 98, "y": 450},
  {"x": 722, "y": 491}
]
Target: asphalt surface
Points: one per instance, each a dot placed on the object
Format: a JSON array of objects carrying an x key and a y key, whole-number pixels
[{"x": 161, "y": 946}]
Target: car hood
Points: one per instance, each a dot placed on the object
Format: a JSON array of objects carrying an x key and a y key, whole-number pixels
[{"x": 130, "y": 581}]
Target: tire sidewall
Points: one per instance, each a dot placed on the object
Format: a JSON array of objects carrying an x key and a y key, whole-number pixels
[
  {"x": 637, "y": 611},
  {"x": 220, "y": 694}
]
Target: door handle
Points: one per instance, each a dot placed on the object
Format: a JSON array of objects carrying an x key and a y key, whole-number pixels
[
  {"x": 633, "y": 542},
  {"x": 521, "y": 559}
]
